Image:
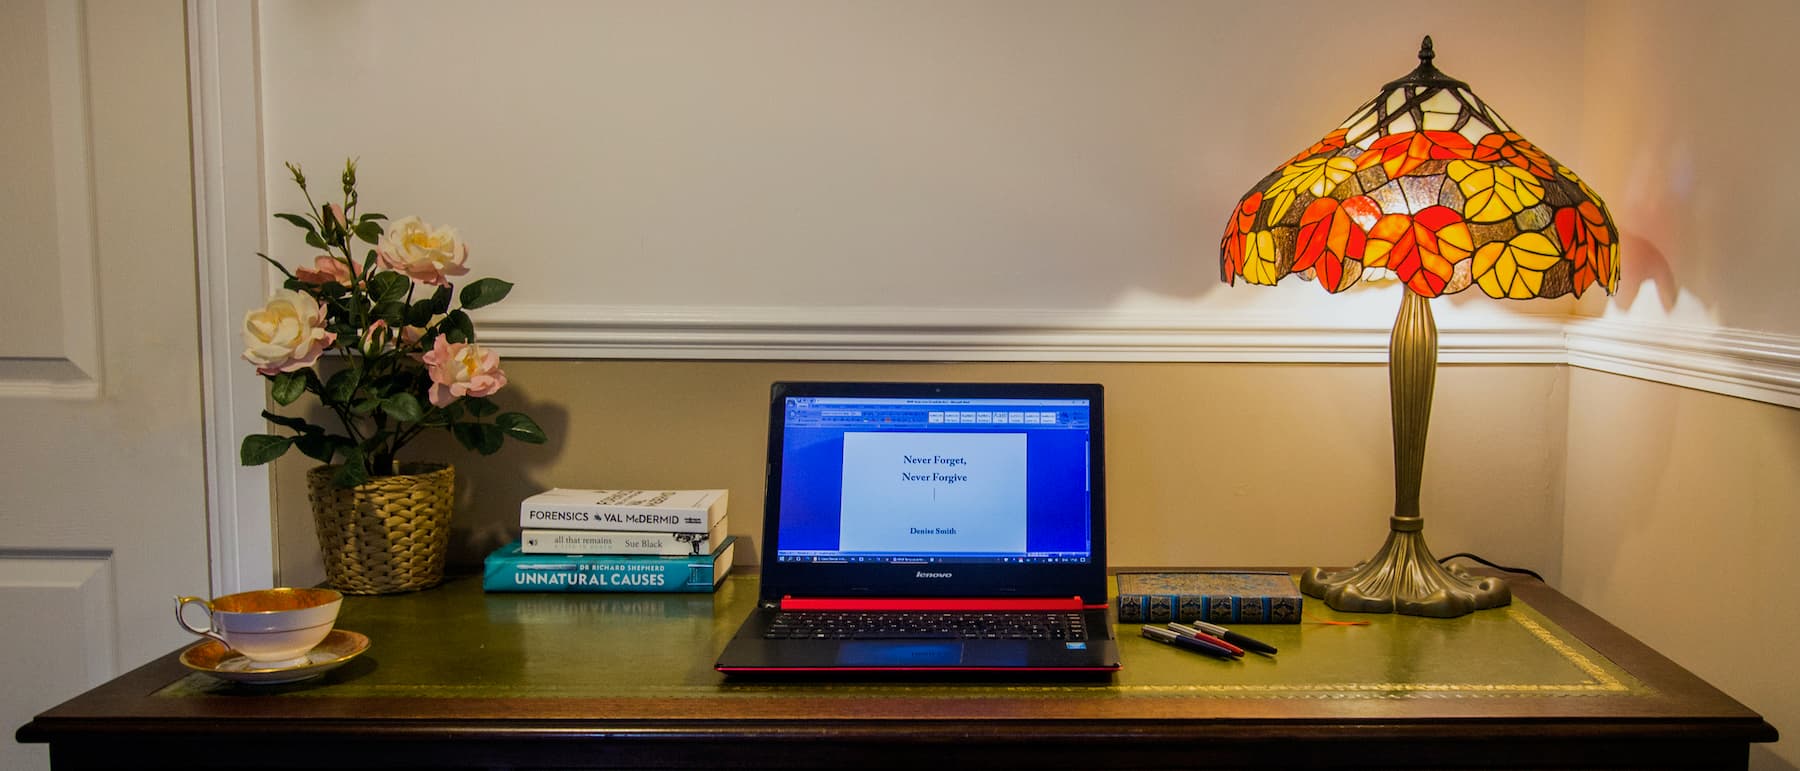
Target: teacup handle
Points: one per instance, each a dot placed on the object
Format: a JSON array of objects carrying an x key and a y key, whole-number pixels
[{"x": 181, "y": 604}]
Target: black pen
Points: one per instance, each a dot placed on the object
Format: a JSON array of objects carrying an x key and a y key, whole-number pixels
[
  {"x": 1195, "y": 644},
  {"x": 1234, "y": 638}
]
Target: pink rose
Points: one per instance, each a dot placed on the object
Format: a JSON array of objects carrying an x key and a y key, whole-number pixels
[
  {"x": 334, "y": 212},
  {"x": 286, "y": 334},
  {"x": 325, "y": 270},
  {"x": 462, "y": 369},
  {"x": 425, "y": 253},
  {"x": 375, "y": 339}
]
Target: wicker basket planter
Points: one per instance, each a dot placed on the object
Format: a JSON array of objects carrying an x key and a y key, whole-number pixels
[{"x": 389, "y": 534}]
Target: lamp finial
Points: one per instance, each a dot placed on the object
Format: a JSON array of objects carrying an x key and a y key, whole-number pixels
[{"x": 1426, "y": 75}]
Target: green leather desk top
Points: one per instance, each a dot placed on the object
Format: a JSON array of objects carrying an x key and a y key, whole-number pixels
[{"x": 456, "y": 641}]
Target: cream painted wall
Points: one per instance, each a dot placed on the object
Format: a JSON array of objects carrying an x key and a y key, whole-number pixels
[
  {"x": 1682, "y": 515},
  {"x": 1683, "y": 123},
  {"x": 1209, "y": 464},
  {"x": 1682, "y": 524}
]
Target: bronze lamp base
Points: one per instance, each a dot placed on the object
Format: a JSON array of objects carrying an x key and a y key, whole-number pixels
[{"x": 1403, "y": 577}]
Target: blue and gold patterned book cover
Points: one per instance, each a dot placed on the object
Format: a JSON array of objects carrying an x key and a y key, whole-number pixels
[{"x": 1221, "y": 597}]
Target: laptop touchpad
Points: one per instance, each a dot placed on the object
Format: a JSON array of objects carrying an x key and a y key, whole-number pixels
[{"x": 889, "y": 653}]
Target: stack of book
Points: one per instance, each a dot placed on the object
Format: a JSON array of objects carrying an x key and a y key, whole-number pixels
[{"x": 615, "y": 541}]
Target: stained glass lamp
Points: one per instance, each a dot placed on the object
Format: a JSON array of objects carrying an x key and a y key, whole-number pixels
[{"x": 1425, "y": 184}]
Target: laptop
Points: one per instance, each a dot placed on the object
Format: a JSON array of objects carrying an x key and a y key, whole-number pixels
[{"x": 931, "y": 527}]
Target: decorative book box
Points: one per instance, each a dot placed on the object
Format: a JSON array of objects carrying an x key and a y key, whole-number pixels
[{"x": 1221, "y": 597}]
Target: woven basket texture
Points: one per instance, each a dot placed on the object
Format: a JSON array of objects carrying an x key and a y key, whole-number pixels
[{"x": 387, "y": 535}]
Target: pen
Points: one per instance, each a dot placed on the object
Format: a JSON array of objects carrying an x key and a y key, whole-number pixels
[
  {"x": 1195, "y": 644},
  {"x": 1234, "y": 638},
  {"x": 1195, "y": 633}
]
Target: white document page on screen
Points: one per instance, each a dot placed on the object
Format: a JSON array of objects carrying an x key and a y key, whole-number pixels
[{"x": 941, "y": 493}]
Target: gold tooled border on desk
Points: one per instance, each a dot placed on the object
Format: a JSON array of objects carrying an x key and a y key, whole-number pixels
[{"x": 1601, "y": 682}]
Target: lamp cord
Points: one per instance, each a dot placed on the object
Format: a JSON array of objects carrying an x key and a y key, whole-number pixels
[{"x": 1468, "y": 556}]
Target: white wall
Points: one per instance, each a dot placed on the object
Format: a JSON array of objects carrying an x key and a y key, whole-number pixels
[{"x": 807, "y": 155}]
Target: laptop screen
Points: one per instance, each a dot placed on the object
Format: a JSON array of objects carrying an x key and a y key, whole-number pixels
[
  {"x": 923, "y": 480},
  {"x": 935, "y": 489}
]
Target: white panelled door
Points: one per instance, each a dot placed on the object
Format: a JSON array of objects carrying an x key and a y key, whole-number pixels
[{"x": 102, "y": 470}]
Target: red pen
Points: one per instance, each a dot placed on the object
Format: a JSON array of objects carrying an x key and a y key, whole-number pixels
[{"x": 1199, "y": 635}]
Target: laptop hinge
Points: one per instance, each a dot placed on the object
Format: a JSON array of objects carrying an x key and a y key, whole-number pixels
[{"x": 931, "y": 603}]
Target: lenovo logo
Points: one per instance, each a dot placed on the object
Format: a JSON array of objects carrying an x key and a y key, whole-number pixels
[{"x": 923, "y": 574}]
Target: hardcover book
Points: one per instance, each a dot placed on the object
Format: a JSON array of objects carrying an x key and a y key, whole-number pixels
[
  {"x": 1220, "y": 597},
  {"x": 656, "y": 511},
  {"x": 510, "y": 570},
  {"x": 542, "y": 541}
]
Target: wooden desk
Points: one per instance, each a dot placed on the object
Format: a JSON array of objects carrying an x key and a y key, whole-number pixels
[{"x": 458, "y": 678}]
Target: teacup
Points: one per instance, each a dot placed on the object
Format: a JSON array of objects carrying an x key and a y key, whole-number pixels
[{"x": 273, "y": 628}]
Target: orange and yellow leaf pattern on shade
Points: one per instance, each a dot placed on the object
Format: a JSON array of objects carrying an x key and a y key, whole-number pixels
[
  {"x": 1515, "y": 268},
  {"x": 1514, "y": 149},
  {"x": 1494, "y": 193},
  {"x": 1400, "y": 154},
  {"x": 1443, "y": 210},
  {"x": 1259, "y": 259},
  {"x": 1317, "y": 176},
  {"x": 1423, "y": 249},
  {"x": 1232, "y": 247},
  {"x": 1330, "y": 241},
  {"x": 1582, "y": 233}
]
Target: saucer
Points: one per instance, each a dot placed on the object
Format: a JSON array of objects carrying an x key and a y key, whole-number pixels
[{"x": 213, "y": 658}]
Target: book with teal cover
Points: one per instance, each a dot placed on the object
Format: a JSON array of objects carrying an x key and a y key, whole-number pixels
[
  {"x": 1220, "y": 597},
  {"x": 508, "y": 569}
]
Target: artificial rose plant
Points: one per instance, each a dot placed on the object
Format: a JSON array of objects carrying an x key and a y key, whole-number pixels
[{"x": 406, "y": 356}]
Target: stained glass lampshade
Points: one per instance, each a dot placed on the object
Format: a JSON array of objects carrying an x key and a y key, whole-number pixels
[{"x": 1427, "y": 184}]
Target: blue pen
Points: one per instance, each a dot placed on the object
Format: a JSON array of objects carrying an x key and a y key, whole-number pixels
[{"x": 1170, "y": 637}]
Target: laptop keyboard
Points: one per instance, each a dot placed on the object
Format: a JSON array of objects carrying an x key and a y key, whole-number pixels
[{"x": 852, "y": 625}]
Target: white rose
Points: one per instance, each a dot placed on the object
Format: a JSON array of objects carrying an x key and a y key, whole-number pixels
[
  {"x": 286, "y": 334},
  {"x": 425, "y": 253}
]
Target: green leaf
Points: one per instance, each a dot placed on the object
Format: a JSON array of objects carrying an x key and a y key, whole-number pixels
[
  {"x": 353, "y": 472},
  {"x": 520, "y": 427},
  {"x": 440, "y": 300},
  {"x": 278, "y": 266},
  {"x": 258, "y": 449},
  {"x": 295, "y": 424},
  {"x": 458, "y": 328},
  {"x": 285, "y": 387},
  {"x": 317, "y": 446},
  {"x": 314, "y": 240},
  {"x": 483, "y": 438},
  {"x": 365, "y": 407},
  {"x": 480, "y": 406},
  {"x": 372, "y": 216},
  {"x": 484, "y": 292},
  {"x": 403, "y": 407},
  {"x": 420, "y": 313},
  {"x": 343, "y": 385},
  {"x": 299, "y": 222},
  {"x": 369, "y": 230},
  {"x": 389, "y": 286},
  {"x": 392, "y": 312}
]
